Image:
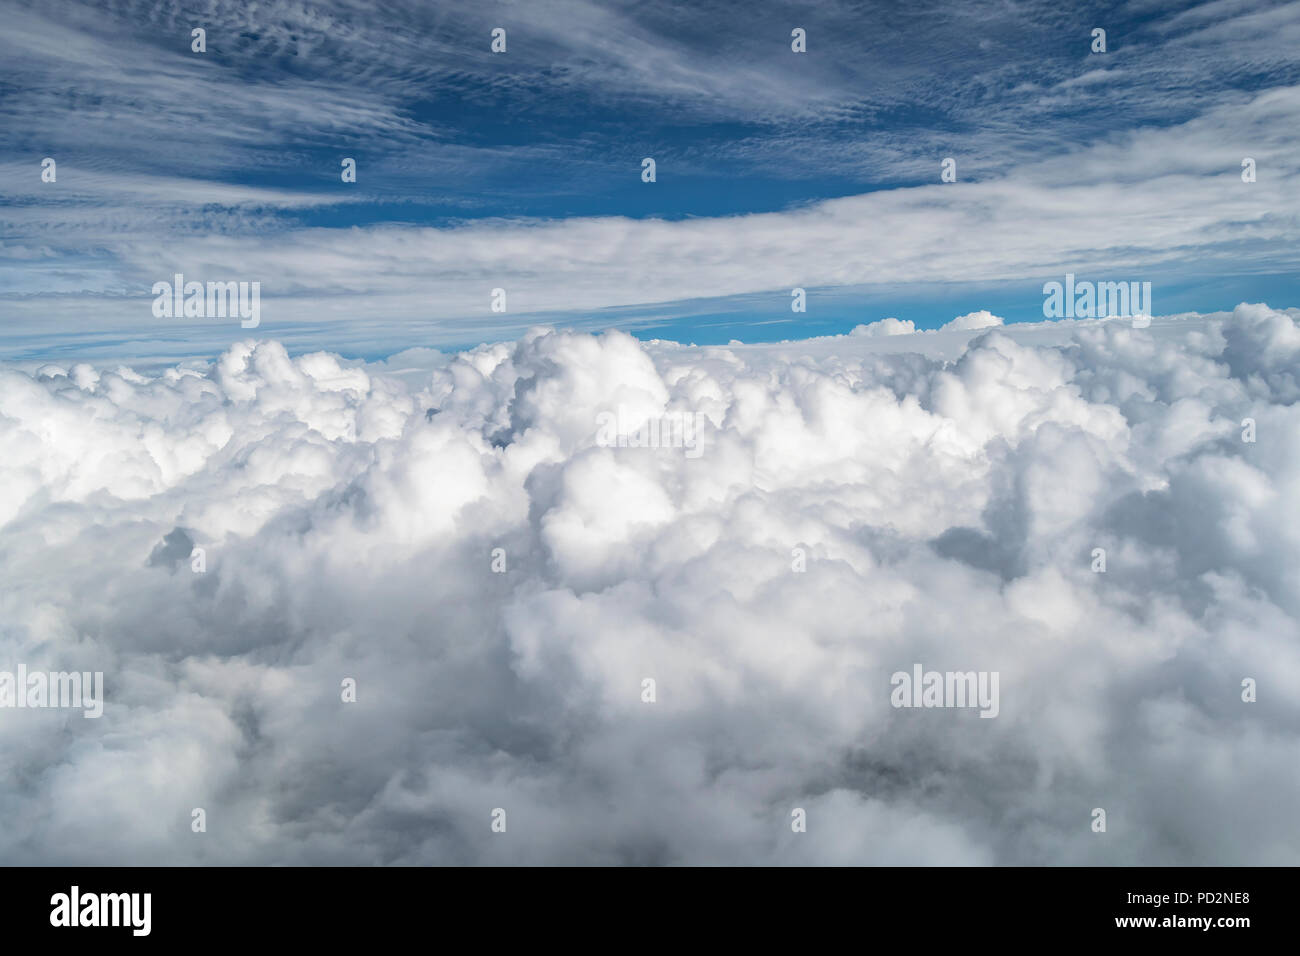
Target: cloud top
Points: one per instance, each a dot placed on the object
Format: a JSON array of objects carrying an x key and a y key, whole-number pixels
[{"x": 945, "y": 512}]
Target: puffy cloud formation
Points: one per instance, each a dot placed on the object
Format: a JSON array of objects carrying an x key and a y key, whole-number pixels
[
  {"x": 983, "y": 319},
  {"x": 971, "y": 322},
  {"x": 943, "y": 512},
  {"x": 889, "y": 326}
]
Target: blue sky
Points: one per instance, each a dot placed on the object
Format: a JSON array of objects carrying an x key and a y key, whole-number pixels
[{"x": 522, "y": 170}]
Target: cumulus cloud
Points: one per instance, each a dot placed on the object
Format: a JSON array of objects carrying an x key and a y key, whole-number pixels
[
  {"x": 983, "y": 319},
  {"x": 888, "y": 326},
  {"x": 946, "y": 510}
]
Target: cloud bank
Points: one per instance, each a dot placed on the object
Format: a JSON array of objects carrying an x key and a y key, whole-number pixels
[{"x": 945, "y": 512}]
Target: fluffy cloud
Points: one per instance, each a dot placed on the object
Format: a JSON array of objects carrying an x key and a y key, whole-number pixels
[
  {"x": 889, "y": 326},
  {"x": 947, "y": 510},
  {"x": 983, "y": 319}
]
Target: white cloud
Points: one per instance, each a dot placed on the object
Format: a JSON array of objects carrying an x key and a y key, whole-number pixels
[
  {"x": 1062, "y": 215},
  {"x": 983, "y": 319},
  {"x": 948, "y": 509},
  {"x": 886, "y": 326}
]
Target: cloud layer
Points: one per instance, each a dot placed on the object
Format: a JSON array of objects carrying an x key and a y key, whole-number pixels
[
  {"x": 947, "y": 511},
  {"x": 522, "y": 171}
]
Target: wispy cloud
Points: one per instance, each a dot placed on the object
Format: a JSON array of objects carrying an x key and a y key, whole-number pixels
[{"x": 480, "y": 171}]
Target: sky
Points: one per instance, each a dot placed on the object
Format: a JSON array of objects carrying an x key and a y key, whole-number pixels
[
  {"x": 522, "y": 170},
  {"x": 626, "y": 573}
]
